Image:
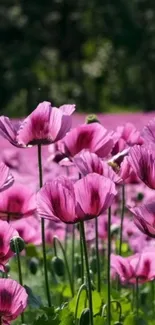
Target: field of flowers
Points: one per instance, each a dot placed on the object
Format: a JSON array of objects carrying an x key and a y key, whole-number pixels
[{"x": 77, "y": 218}]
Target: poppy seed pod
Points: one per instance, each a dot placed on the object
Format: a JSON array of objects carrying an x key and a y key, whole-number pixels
[
  {"x": 17, "y": 244},
  {"x": 58, "y": 266},
  {"x": 91, "y": 118},
  {"x": 85, "y": 317}
]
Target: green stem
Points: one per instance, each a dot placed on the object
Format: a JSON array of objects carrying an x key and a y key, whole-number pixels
[
  {"x": 81, "y": 251},
  {"x": 82, "y": 288},
  {"x": 19, "y": 272},
  {"x": 122, "y": 219},
  {"x": 73, "y": 253},
  {"x": 88, "y": 272},
  {"x": 55, "y": 239},
  {"x": 137, "y": 298},
  {"x": 66, "y": 238},
  {"x": 43, "y": 231},
  {"x": 97, "y": 257},
  {"x": 118, "y": 307},
  {"x": 108, "y": 269},
  {"x": 153, "y": 295}
]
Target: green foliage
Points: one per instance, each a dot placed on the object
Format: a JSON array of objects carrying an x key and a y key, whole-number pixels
[{"x": 53, "y": 51}]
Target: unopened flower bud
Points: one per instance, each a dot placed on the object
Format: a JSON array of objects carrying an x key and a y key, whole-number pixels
[
  {"x": 7, "y": 268},
  {"x": 85, "y": 317},
  {"x": 17, "y": 244},
  {"x": 92, "y": 118},
  {"x": 58, "y": 266},
  {"x": 33, "y": 265},
  {"x": 93, "y": 264}
]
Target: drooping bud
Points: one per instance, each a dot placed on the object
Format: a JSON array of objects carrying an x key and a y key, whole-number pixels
[
  {"x": 85, "y": 317},
  {"x": 58, "y": 266},
  {"x": 33, "y": 265},
  {"x": 93, "y": 264}
]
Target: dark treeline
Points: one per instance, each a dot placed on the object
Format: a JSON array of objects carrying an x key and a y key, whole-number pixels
[{"x": 95, "y": 53}]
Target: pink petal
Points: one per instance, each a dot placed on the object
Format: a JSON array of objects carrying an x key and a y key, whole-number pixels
[{"x": 94, "y": 194}]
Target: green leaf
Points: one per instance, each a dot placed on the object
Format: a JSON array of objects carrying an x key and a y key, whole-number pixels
[
  {"x": 133, "y": 320},
  {"x": 66, "y": 317},
  {"x": 99, "y": 321},
  {"x": 33, "y": 300},
  {"x": 31, "y": 251},
  {"x": 97, "y": 303},
  {"x": 43, "y": 320},
  {"x": 81, "y": 306}
]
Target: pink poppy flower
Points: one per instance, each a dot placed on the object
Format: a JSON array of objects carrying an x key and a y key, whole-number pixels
[
  {"x": 128, "y": 136},
  {"x": 93, "y": 137},
  {"x": 141, "y": 266},
  {"x": 9, "y": 130},
  {"x": 144, "y": 218},
  {"x": 142, "y": 161},
  {"x": 17, "y": 202},
  {"x": 13, "y": 300},
  {"x": 85, "y": 199},
  {"x": 148, "y": 132},
  {"x": 6, "y": 179},
  {"x": 45, "y": 125},
  {"x": 88, "y": 162},
  {"x": 6, "y": 233}
]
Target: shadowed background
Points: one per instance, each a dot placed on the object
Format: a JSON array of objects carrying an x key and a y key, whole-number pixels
[{"x": 97, "y": 54}]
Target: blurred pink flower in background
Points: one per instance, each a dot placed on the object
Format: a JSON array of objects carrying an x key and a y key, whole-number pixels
[
  {"x": 13, "y": 300},
  {"x": 28, "y": 229},
  {"x": 17, "y": 202},
  {"x": 140, "y": 266}
]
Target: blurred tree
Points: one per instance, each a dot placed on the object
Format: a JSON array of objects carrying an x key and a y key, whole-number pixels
[{"x": 93, "y": 53}]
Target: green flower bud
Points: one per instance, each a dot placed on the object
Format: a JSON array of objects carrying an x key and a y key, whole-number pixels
[
  {"x": 85, "y": 317},
  {"x": 92, "y": 118},
  {"x": 17, "y": 244},
  {"x": 93, "y": 264},
  {"x": 7, "y": 268},
  {"x": 140, "y": 196},
  {"x": 58, "y": 266},
  {"x": 33, "y": 265},
  {"x": 78, "y": 270}
]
